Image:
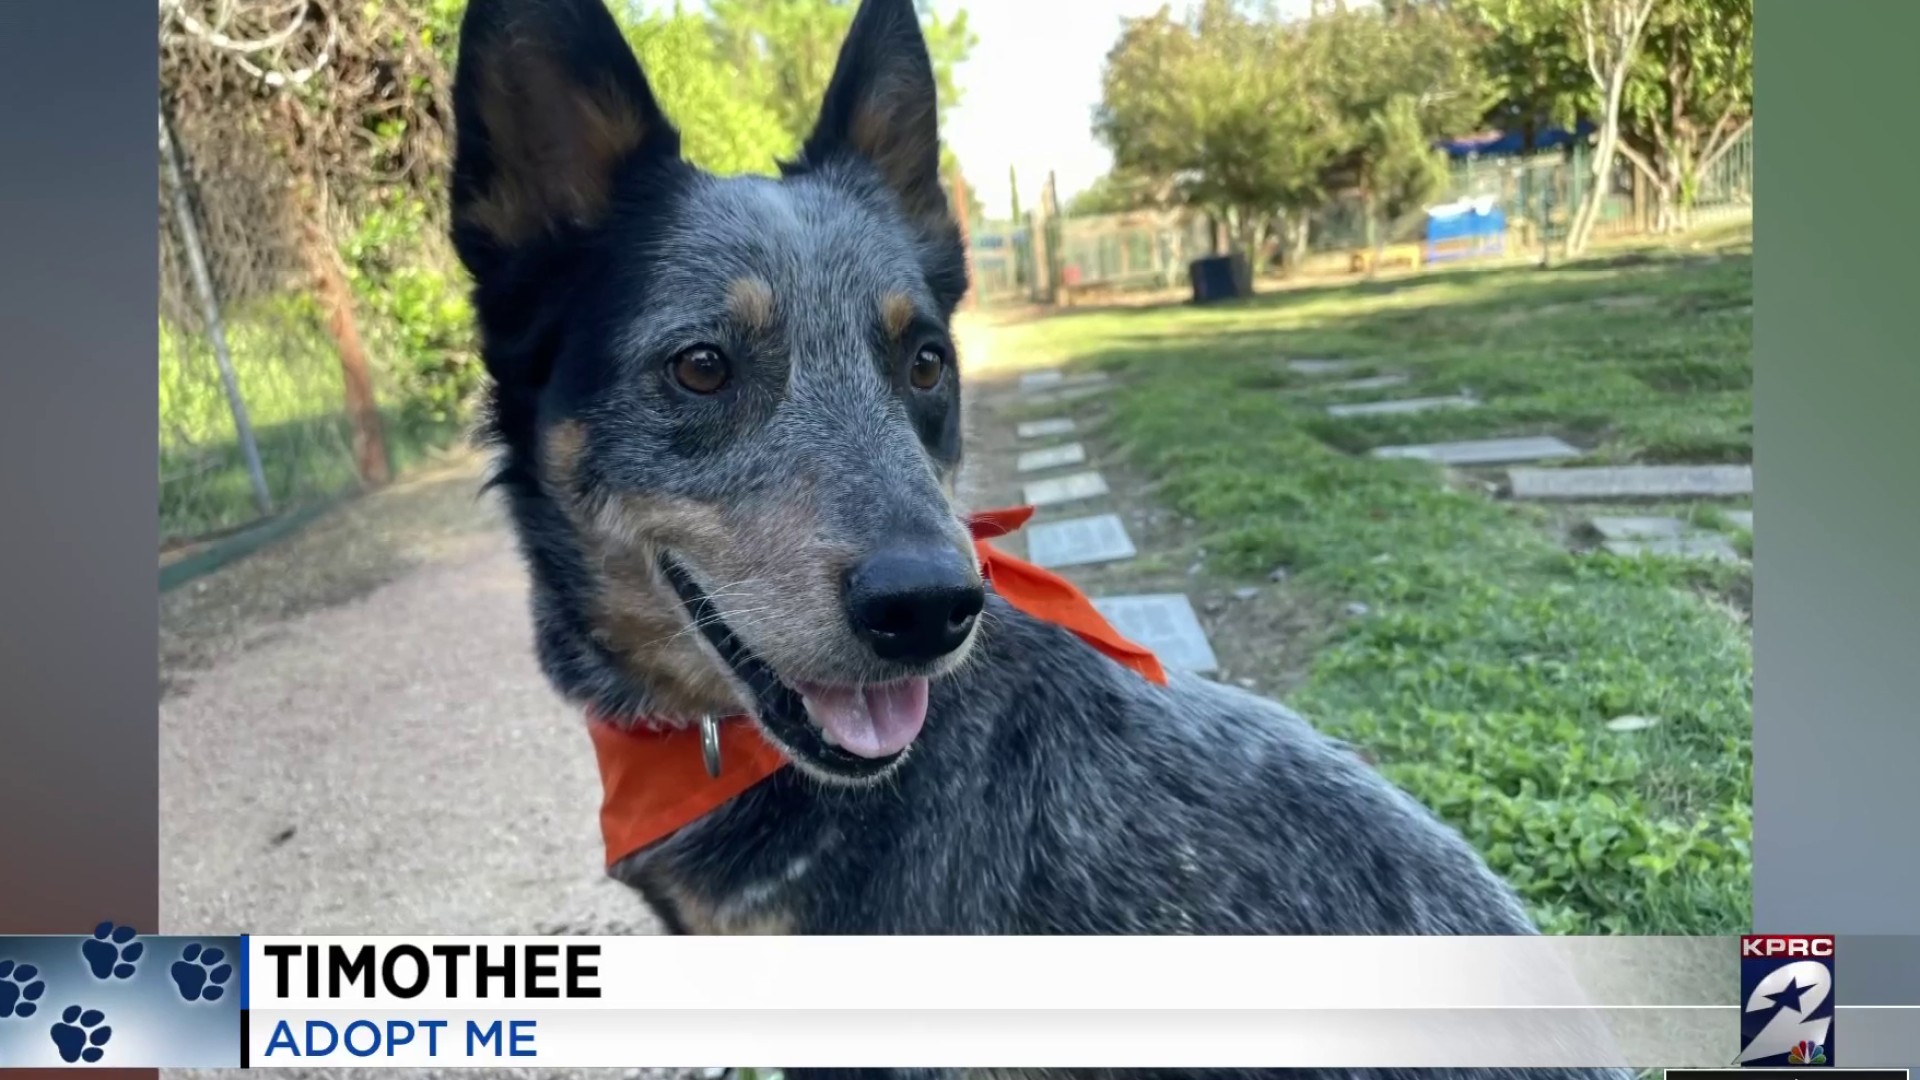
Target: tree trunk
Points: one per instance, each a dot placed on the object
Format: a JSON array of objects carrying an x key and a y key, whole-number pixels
[
  {"x": 1247, "y": 245},
  {"x": 1376, "y": 237},
  {"x": 1297, "y": 229},
  {"x": 1611, "y": 42},
  {"x": 336, "y": 301},
  {"x": 1580, "y": 230}
]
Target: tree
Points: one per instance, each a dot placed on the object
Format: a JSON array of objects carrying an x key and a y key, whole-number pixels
[
  {"x": 1215, "y": 108},
  {"x": 781, "y": 53},
  {"x": 1013, "y": 188},
  {"x": 1690, "y": 99},
  {"x": 1610, "y": 33},
  {"x": 1389, "y": 82},
  {"x": 1119, "y": 192},
  {"x": 1528, "y": 49},
  {"x": 722, "y": 129},
  {"x": 1403, "y": 171}
]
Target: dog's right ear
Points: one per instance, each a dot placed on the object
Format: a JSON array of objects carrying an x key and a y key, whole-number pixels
[{"x": 549, "y": 104}]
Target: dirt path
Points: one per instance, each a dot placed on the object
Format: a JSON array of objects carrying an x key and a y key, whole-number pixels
[{"x": 355, "y": 738}]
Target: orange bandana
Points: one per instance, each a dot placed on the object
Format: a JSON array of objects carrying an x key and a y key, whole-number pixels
[{"x": 655, "y": 779}]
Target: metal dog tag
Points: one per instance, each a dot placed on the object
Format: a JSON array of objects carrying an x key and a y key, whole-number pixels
[{"x": 710, "y": 744}]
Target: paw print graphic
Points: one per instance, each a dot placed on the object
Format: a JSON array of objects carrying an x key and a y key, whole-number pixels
[
  {"x": 112, "y": 953},
  {"x": 81, "y": 1035},
  {"x": 199, "y": 974},
  {"x": 20, "y": 987}
]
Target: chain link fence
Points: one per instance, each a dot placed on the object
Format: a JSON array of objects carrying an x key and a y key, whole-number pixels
[
  {"x": 252, "y": 417},
  {"x": 313, "y": 331}
]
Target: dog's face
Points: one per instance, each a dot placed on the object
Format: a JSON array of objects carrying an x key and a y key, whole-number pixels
[{"x": 728, "y": 407}]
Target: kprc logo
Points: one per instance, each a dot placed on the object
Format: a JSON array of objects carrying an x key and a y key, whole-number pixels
[
  {"x": 1786, "y": 991},
  {"x": 1785, "y": 945}
]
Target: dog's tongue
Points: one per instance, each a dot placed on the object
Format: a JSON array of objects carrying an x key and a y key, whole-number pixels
[{"x": 871, "y": 721}]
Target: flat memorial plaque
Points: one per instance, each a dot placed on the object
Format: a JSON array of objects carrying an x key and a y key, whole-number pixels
[
  {"x": 1062, "y": 489},
  {"x": 1073, "y": 392},
  {"x": 1632, "y": 482},
  {"x": 1041, "y": 380},
  {"x": 1483, "y": 451},
  {"x": 1321, "y": 367},
  {"x": 1701, "y": 546},
  {"x": 1079, "y": 541},
  {"x": 1371, "y": 382},
  {"x": 1051, "y": 457},
  {"x": 1165, "y": 623},
  {"x": 1403, "y": 405},
  {"x": 1640, "y": 528},
  {"x": 1043, "y": 429}
]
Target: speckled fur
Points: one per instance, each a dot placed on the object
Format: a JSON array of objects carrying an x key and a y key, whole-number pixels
[{"x": 1051, "y": 792}]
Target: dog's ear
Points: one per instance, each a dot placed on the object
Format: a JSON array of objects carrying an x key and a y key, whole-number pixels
[
  {"x": 880, "y": 105},
  {"x": 549, "y": 104}
]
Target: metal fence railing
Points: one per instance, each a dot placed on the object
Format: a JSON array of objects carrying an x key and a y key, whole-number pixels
[{"x": 1049, "y": 258}]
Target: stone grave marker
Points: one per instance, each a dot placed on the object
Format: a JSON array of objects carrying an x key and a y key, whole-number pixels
[
  {"x": 1042, "y": 380},
  {"x": 1742, "y": 518},
  {"x": 1165, "y": 623},
  {"x": 1371, "y": 382},
  {"x": 1063, "y": 489},
  {"x": 1079, "y": 541},
  {"x": 1321, "y": 367},
  {"x": 1403, "y": 405},
  {"x": 1044, "y": 429},
  {"x": 1071, "y": 393},
  {"x": 1696, "y": 546},
  {"x": 1051, "y": 457},
  {"x": 1483, "y": 451},
  {"x": 1632, "y": 482},
  {"x": 1640, "y": 528}
]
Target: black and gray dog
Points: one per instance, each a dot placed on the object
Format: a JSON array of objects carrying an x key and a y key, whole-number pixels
[{"x": 738, "y": 398}]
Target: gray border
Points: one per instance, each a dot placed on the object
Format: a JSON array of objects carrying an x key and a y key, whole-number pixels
[
  {"x": 79, "y": 837},
  {"x": 1837, "y": 598}
]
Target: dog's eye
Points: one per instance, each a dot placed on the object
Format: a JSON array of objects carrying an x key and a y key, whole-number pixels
[
  {"x": 701, "y": 370},
  {"x": 927, "y": 368}
]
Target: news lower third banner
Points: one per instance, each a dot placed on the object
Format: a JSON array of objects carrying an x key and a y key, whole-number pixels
[{"x": 120, "y": 999}]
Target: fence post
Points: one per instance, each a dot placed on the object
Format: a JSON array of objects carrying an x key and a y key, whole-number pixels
[
  {"x": 961, "y": 217},
  {"x": 210, "y": 310}
]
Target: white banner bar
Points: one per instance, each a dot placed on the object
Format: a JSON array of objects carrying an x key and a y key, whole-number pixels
[{"x": 856, "y": 976}]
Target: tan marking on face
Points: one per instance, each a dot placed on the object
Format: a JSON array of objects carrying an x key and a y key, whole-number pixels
[
  {"x": 554, "y": 142},
  {"x": 637, "y": 617},
  {"x": 750, "y": 303},
  {"x": 896, "y": 314},
  {"x": 565, "y": 444}
]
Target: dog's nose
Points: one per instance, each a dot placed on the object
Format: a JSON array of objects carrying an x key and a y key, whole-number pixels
[{"x": 914, "y": 605}]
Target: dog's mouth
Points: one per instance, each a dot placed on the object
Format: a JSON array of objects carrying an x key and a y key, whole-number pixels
[{"x": 854, "y": 732}]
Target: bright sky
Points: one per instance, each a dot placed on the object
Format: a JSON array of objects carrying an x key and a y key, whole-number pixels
[{"x": 1028, "y": 92}]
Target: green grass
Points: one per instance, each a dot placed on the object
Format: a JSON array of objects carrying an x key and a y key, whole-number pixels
[{"x": 1490, "y": 659}]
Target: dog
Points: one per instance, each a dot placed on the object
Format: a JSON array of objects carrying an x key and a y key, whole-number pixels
[{"x": 727, "y": 421}]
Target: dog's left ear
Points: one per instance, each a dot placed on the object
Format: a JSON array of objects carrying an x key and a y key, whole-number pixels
[{"x": 880, "y": 105}]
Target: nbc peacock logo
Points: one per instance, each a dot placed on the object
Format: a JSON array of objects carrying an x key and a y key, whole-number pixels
[{"x": 1807, "y": 1053}]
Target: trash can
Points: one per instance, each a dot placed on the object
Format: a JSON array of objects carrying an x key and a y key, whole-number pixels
[{"x": 1217, "y": 277}]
